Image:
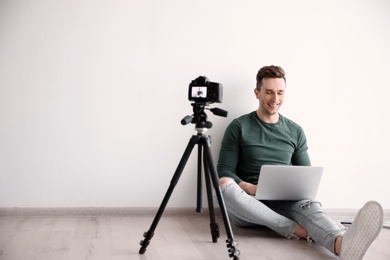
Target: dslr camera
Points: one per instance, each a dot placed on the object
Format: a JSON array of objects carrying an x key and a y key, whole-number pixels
[{"x": 201, "y": 90}]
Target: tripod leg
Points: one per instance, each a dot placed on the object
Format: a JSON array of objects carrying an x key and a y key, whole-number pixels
[
  {"x": 231, "y": 242},
  {"x": 149, "y": 234},
  {"x": 199, "y": 187},
  {"x": 214, "y": 227}
]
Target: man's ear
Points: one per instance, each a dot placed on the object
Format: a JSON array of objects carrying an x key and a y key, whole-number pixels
[{"x": 257, "y": 93}]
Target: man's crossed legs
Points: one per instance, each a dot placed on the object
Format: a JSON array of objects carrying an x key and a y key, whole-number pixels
[{"x": 304, "y": 219}]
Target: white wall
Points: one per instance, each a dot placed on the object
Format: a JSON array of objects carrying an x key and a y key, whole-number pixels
[{"x": 92, "y": 93}]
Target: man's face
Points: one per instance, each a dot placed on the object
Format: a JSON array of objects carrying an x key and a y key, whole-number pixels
[{"x": 271, "y": 95}]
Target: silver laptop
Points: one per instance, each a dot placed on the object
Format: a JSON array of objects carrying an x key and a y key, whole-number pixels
[{"x": 283, "y": 182}]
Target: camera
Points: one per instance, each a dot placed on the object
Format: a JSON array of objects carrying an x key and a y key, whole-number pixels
[{"x": 201, "y": 90}]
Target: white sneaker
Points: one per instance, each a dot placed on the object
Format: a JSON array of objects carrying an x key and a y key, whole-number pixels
[{"x": 363, "y": 231}]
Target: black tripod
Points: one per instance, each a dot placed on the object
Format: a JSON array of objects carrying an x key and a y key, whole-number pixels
[{"x": 203, "y": 141}]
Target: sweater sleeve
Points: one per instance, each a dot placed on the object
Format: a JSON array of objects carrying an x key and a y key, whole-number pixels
[
  {"x": 301, "y": 156},
  {"x": 229, "y": 152}
]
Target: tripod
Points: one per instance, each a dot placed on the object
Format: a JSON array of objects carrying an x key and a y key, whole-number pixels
[{"x": 204, "y": 143}]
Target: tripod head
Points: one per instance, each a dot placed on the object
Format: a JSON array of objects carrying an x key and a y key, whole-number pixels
[{"x": 199, "y": 118}]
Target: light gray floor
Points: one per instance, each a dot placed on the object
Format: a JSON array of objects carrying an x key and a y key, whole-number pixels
[{"x": 178, "y": 236}]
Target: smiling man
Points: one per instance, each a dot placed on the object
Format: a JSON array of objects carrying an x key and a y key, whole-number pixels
[
  {"x": 270, "y": 97},
  {"x": 266, "y": 137}
]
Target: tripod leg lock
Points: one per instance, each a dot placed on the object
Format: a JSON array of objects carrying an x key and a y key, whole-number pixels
[
  {"x": 144, "y": 243},
  {"x": 233, "y": 252},
  {"x": 214, "y": 227}
]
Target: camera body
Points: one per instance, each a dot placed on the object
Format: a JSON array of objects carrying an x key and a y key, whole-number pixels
[{"x": 201, "y": 90}]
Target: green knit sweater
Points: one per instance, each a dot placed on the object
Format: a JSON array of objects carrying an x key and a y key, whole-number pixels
[{"x": 249, "y": 143}]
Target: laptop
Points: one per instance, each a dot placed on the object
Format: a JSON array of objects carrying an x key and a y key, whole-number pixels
[{"x": 284, "y": 182}]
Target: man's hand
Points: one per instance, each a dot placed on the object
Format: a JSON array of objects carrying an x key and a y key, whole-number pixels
[{"x": 248, "y": 187}]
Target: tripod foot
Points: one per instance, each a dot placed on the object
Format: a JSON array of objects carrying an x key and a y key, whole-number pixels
[{"x": 142, "y": 251}]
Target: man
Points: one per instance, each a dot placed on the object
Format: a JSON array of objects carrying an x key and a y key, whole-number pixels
[{"x": 266, "y": 137}]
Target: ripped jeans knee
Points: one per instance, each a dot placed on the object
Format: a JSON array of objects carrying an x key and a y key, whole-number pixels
[{"x": 224, "y": 181}]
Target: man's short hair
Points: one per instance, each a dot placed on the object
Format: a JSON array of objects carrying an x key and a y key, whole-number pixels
[{"x": 267, "y": 72}]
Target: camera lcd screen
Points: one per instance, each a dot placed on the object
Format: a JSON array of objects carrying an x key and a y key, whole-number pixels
[{"x": 198, "y": 92}]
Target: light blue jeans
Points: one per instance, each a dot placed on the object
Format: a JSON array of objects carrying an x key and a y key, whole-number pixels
[{"x": 281, "y": 216}]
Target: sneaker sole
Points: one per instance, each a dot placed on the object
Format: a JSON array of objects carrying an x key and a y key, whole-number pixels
[{"x": 365, "y": 228}]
